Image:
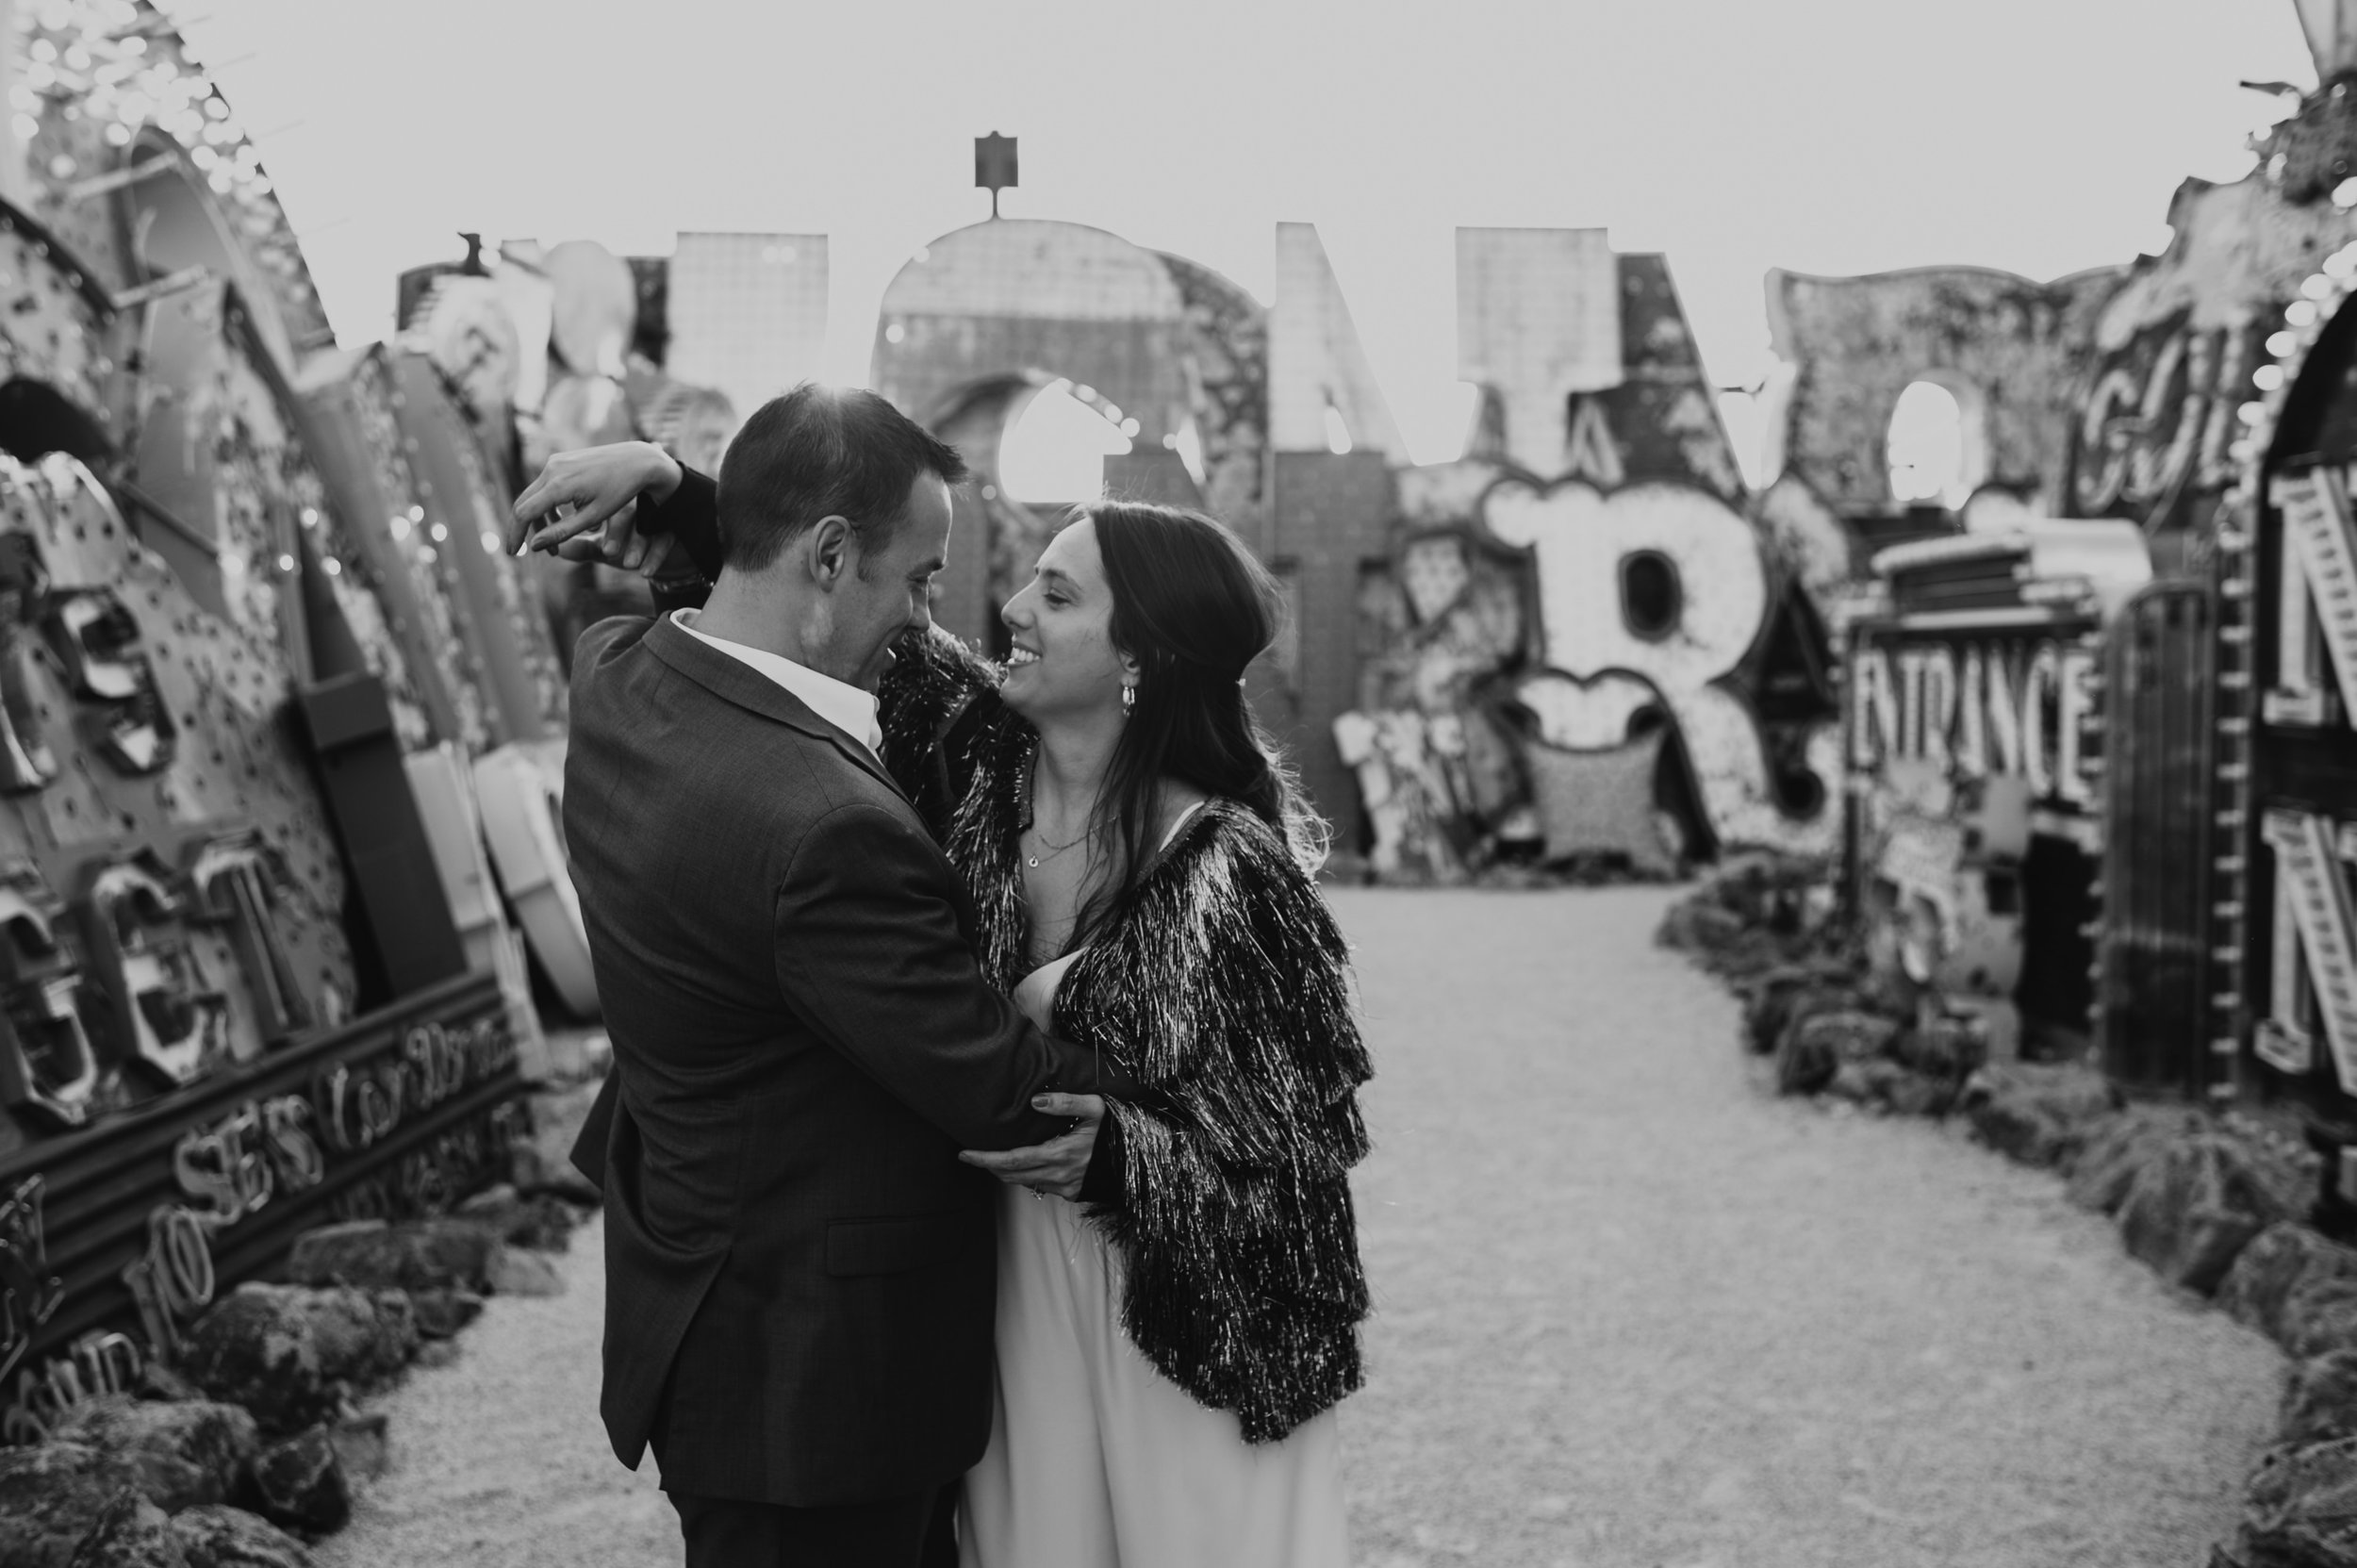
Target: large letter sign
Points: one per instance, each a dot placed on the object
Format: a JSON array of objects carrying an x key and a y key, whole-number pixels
[
  {"x": 2312, "y": 889},
  {"x": 1993, "y": 706},
  {"x": 2320, "y": 578},
  {"x": 1707, "y": 600}
]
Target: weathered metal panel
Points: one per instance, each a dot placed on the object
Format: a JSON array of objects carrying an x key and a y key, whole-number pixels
[
  {"x": 354, "y": 436},
  {"x": 2152, "y": 992},
  {"x": 513, "y": 651}
]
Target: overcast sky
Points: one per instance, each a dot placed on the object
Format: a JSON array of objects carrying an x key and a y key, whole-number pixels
[{"x": 1827, "y": 136}]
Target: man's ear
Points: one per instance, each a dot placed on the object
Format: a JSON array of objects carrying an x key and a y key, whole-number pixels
[{"x": 831, "y": 551}]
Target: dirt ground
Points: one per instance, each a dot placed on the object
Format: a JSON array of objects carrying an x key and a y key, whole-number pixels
[{"x": 1632, "y": 1312}]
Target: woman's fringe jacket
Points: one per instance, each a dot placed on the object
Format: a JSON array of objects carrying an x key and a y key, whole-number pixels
[{"x": 1223, "y": 987}]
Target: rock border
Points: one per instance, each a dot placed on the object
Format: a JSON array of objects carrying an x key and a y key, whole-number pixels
[{"x": 249, "y": 1443}]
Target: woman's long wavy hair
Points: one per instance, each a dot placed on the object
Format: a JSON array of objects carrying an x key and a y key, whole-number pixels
[{"x": 1193, "y": 608}]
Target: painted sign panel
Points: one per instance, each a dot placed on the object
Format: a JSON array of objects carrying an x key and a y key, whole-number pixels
[
  {"x": 1973, "y": 704},
  {"x": 2151, "y": 440},
  {"x": 113, "y": 1240}
]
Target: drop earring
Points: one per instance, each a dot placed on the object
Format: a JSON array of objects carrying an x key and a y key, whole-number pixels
[{"x": 1129, "y": 698}]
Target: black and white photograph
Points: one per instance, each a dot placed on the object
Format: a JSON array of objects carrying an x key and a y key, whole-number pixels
[{"x": 1235, "y": 785}]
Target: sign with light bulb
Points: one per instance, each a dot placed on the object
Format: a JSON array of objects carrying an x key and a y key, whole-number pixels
[{"x": 2283, "y": 925}]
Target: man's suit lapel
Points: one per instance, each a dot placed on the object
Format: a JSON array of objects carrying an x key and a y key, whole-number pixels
[{"x": 737, "y": 682}]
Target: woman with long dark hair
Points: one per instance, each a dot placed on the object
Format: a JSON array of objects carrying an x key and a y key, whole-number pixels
[{"x": 1168, "y": 1360}]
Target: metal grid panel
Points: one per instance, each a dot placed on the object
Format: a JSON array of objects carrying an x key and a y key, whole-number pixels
[{"x": 747, "y": 312}]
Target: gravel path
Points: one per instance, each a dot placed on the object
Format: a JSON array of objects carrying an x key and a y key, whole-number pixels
[
  {"x": 498, "y": 1459},
  {"x": 1633, "y": 1313}
]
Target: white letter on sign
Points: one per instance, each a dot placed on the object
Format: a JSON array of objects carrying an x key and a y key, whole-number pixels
[
  {"x": 1873, "y": 708},
  {"x": 1580, "y": 540}
]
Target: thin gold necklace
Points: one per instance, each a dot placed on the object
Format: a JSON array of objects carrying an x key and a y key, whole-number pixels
[
  {"x": 1051, "y": 847},
  {"x": 1048, "y": 846}
]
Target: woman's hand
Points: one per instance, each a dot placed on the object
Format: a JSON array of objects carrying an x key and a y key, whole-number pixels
[
  {"x": 1058, "y": 1165},
  {"x": 600, "y": 483}
]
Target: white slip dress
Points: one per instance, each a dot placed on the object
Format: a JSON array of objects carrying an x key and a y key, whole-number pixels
[{"x": 1096, "y": 1459}]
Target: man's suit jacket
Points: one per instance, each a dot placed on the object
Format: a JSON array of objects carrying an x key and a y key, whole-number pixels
[{"x": 801, "y": 1274}]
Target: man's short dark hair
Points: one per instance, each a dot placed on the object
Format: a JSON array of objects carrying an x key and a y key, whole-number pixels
[{"x": 821, "y": 452}]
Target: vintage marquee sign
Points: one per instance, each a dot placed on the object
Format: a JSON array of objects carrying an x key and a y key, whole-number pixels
[
  {"x": 114, "y": 1239},
  {"x": 1977, "y": 704},
  {"x": 2317, "y": 601}
]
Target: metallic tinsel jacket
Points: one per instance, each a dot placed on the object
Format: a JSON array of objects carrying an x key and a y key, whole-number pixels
[{"x": 1222, "y": 986}]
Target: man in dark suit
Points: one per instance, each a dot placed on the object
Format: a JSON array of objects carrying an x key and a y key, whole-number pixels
[{"x": 800, "y": 1272}]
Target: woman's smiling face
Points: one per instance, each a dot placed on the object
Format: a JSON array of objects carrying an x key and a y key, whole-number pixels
[{"x": 1064, "y": 663}]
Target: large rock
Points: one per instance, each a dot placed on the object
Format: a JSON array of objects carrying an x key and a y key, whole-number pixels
[
  {"x": 288, "y": 1353},
  {"x": 1948, "y": 1048},
  {"x": 51, "y": 1496},
  {"x": 1693, "y": 925},
  {"x": 2318, "y": 1316},
  {"x": 302, "y": 1483},
  {"x": 2280, "y": 1260},
  {"x": 442, "y": 1313},
  {"x": 183, "y": 1454},
  {"x": 1851, "y": 1035},
  {"x": 1805, "y": 1062},
  {"x": 445, "y": 1253},
  {"x": 517, "y": 1272},
  {"x": 1883, "y": 1085},
  {"x": 2119, "y": 1147},
  {"x": 2195, "y": 1204},
  {"x": 215, "y": 1536},
  {"x": 2300, "y": 1510},
  {"x": 131, "y": 1533},
  {"x": 1911, "y": 1093},
  {"x": 362, "y": 1446},
  {"x": 1767, "y": 891},
  {"x": 2320, "y": 1399},
  {"x": 2037, "y": 1113},
  {"x": 543, "y": 1222},
  {"x": 1755, "y": 915},
  {"x": 1850, "y": 1081},
  {"x": 1787, "y": 994}
]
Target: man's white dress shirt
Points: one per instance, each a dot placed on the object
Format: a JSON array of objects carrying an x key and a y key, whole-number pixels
[{"x": 841, "y": 704}]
